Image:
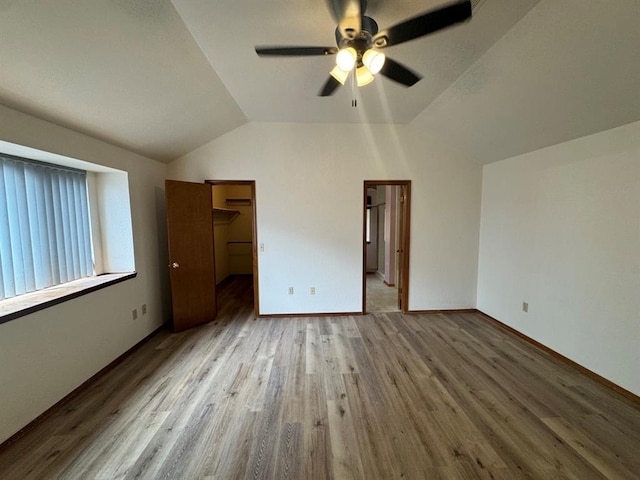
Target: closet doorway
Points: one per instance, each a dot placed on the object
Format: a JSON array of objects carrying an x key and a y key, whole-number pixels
[
  {"x": 235, "y": 237},
  {"x": 386, "y": 227}
]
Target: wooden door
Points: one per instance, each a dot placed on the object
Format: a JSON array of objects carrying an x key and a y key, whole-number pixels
[{"x": 191, "y": 258}]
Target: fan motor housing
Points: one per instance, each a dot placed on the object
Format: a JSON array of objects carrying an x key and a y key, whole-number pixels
[
  {"x": 368, "y": 26},
  {"x": 363, "y": 41}
]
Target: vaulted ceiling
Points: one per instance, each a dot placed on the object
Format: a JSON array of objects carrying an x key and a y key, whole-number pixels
[{"x": 161, "y": 78}]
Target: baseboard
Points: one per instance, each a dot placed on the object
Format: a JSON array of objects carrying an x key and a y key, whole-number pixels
[
  {"x": 298, "y": 315},
  {"x": 359, "y": 314},
  {"x": 450, "y": 310},
  {"x": 83, "y": 386},
  {"x": 632, "y": 397}
]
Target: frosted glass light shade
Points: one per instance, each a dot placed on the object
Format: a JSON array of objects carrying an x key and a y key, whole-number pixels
[
  {"x": 339, "y": 74},
  {"x": 346, "y": 59},
  {"x": 363, "y": 76},
  {"x": 373, "y": 60}
]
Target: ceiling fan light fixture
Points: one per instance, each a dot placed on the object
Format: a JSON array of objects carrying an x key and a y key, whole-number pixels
[
  {"x": 346, "y": 59},
  {"x": 339, "y": 74},
  {"x": 373, "y": 60},
  {"x": 363, "y": 76},
  {"x": 359, "y": 41}
]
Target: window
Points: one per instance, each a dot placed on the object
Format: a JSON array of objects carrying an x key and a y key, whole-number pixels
[
  {"x": 92, "y": 201},
  {"x": 45, "y": 236}
]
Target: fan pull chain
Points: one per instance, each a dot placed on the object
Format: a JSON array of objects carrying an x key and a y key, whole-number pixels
[{"x": 354, "y": 90}]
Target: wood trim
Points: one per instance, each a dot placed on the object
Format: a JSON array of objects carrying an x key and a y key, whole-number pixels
[
  {"x": 446, "y": 310},
  {"x": 406, "y": 227},
  {"x": 230, "y": 182},
  {"x": 254, "y": 248},
  {"x": 387, "y": 182},
  {"x": 65, "y": 297},
  {"x": 359, "y": 314},
  {"x": 364, "y": 248},
  {"x": 298, "y": 315},
  {"x": 76, "y": 391},
  {"x": 628, "y": 395},
  {"x": 406, "y": 230}
]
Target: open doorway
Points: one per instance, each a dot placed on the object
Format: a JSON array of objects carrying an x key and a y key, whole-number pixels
[
  {"x": 386, "y": 246},
  {"x": 234, "y": 232}
]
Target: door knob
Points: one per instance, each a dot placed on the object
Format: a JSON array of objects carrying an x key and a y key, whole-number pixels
[{"x": 174, "y": 265}]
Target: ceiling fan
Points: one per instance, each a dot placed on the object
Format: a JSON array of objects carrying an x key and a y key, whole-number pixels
[{"x": 359, "y": 42}]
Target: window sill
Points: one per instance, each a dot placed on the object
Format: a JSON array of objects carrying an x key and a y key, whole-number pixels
[{"x": 28, "y": 303}]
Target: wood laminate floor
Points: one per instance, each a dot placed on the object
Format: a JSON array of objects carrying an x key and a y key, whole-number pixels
[
  {"x": 381, "y": 298},
  {"x": 380, "y": 396}
]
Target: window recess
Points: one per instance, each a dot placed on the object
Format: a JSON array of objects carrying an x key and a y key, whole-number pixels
[{"x": 65, "y": 229}]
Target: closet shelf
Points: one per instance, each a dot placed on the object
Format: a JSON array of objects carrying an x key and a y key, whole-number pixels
[
  {"x": 224, "y": 215},
  {"x": 239, "y": 202}
]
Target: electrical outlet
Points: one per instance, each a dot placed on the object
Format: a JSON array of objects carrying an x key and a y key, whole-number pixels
[
  {"x": 312, "y": 291},
  {"x": 143, "y": 308},
  {"x": 261, "y": 247},
  {"x": 525, "y": 307},
  {"x": 134, "y": 314},
  {"x": 290, "y": 290}
]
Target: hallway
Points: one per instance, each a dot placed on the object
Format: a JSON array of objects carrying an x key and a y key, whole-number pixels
[{"x": 381, "y": 298}]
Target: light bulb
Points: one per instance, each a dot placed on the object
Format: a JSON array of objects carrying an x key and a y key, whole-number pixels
[
  {"x": 363, "y": 76},
  {"x": 339, "y": 74},
  {"x": 373, "y": 60},
  {"x": 346, "y": 59}
]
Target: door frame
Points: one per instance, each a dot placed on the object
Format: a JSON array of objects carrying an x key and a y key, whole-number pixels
[
  {"x": 254, "y": 234},
  {"x": 403, "y": 242}
]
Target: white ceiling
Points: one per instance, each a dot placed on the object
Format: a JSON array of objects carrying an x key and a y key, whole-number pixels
[
  {"x": 286, "y": 89},
  {"x": 125, "y": 71},
  {"x": 161, "y": 78}
]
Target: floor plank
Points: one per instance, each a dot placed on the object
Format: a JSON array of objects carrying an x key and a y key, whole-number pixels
[{"x": 380, "y": 396}]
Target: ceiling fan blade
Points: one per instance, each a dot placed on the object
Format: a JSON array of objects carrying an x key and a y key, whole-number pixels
[
  {"x": 336, "y": 8},
  {"x": 348, "y": 14},
  {"x": 329, "y": 87},
  {"x": 295, "y": 51},
  {"x": 424, "y": 24},
  {"x": 399, "y": 73}
]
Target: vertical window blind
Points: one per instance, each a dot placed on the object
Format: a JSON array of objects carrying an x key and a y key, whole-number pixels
[{"x": 45, "y": 237}]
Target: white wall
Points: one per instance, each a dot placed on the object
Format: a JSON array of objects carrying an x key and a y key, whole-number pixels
[
  {"x": 113, "y": 209},
  {"x": 381, "y": 213},
  {"x": 391, "y": 234},
  {"x": 372, "y": 246},
  {"x": 314, "y": 238},
  {"x": 46, "y": 355},
  {"x": 561, "y": 230}
]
